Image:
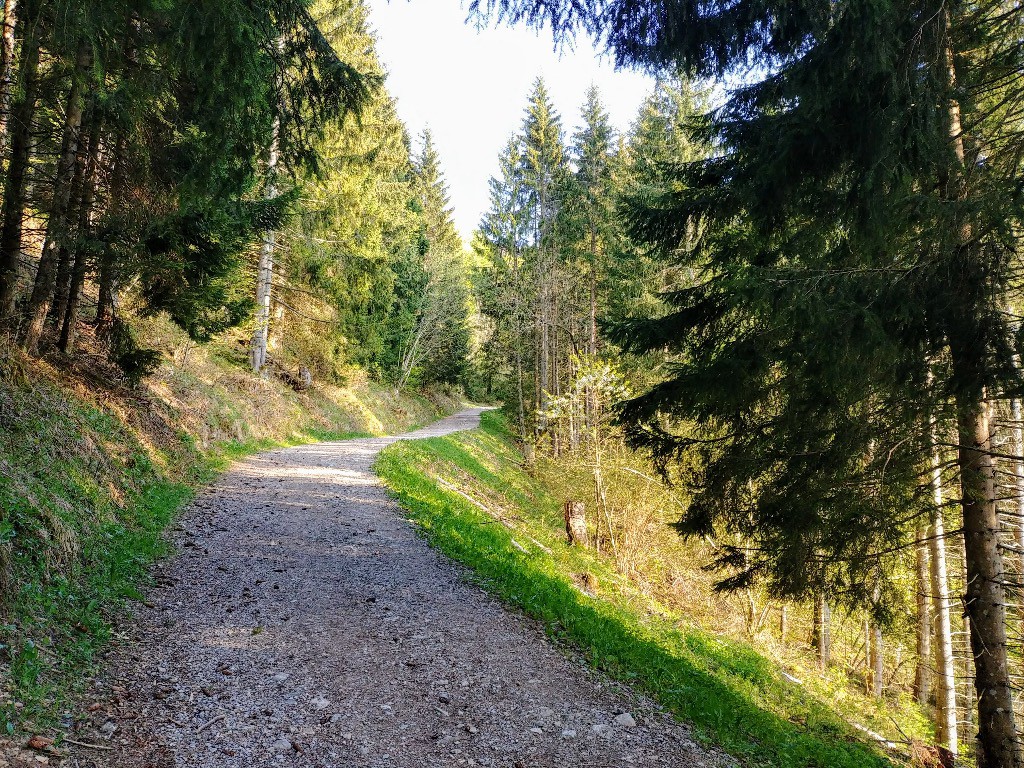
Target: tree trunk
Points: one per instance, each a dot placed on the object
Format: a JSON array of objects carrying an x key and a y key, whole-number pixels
[
  {"x": 518, "y": 333},
  {"x": 7, "y": 40},
  {"x": 923, "y": 672},
  {"x": 877, "y": 661},
  {"x": 576, "y": 523},
  {"x": 986, "y": 597},
  {"x": 591, "y": 405},
  {"x": 521, "y": 396},
  {"x": 823, "y": 632},
  {"x": 1018, "y": 471},
  {"x": 70, "y": 318},
  {"x": 265, "y": 273},
  {"x": 545, "y": 354},
  {"x": 945, "y": 676},
  {"x": 58, "y": 225},
  {"x": 64, "y": 261},
  {"x": 556, "y": 381},
  {"x": 22, "y": 118}
]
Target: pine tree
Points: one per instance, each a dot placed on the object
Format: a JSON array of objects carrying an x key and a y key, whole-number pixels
[
  {"x": 504, "y": 284},
  {"x": 593, "y": 148},
  {"x": 544, "y": 169},
  {"x": 438, "y": 347},
  {"x": 856, "y": 235}
]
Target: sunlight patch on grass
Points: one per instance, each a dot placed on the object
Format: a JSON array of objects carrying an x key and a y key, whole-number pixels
[{"x": 732, "y": 696}]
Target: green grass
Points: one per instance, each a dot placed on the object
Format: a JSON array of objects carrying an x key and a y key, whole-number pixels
[
  {"x": 732, "y": 696},
  {"x": 58, "y": 619},
  {"x": 88, "y": 486}
]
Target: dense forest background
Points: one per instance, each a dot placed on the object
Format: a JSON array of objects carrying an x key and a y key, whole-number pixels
[
  {"x": 783, "y": 320},
  {"x": 226, "y": 166}
]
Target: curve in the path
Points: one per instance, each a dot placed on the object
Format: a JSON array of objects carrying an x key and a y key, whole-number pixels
[{"x": 303, "y": 622}]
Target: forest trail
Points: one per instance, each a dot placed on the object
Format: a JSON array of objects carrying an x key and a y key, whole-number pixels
[{"x": 303, "y": 622}]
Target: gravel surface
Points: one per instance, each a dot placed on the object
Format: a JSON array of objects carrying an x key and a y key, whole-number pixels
[{"x": 303, "y": 622}]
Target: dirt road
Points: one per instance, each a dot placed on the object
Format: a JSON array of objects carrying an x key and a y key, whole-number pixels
[{"x": 303, "y": 622}]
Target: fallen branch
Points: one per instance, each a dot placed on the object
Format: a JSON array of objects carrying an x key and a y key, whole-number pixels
[
  {"x": 203, "y": 727},
  {"x": 539, "y": 545},
  {"x": 87, "y": 745},
  {"x": 876, "y": 736}
]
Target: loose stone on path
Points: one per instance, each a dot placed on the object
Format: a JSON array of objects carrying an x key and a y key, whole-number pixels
[{"x": 304, "y": 610}]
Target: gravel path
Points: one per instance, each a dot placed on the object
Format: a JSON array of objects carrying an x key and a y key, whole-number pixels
[{"x": 304, "y": 623}]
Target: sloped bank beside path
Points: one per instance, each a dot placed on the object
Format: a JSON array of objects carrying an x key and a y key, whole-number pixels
[{"x": 303, "y": 622}]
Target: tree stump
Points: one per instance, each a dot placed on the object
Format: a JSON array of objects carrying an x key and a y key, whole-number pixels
[{"x": 576, "y": 523}]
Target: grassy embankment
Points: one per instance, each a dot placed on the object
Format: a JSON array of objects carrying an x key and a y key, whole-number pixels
[
  {"x": 92, "y": 473},
  {"x": 734, "y": 697}
]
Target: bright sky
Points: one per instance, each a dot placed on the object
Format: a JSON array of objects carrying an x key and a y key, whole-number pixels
[{"x": 470, "y": 87}]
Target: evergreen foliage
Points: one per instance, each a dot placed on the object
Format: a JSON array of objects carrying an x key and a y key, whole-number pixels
[
  {"x": 209, "y": 126},
  {"x": 841, "y": 317}
]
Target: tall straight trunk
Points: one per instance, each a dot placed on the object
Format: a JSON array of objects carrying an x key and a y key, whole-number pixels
[
  {"x": 1018, "y": 471},
  {"x": 823, "y": 633},
  {"x": 7, "y": 38},
  {"x": 591, "y": 403},
  {"x": 545, "y": 351},
  {"x": 81, "y": 264},
  {"x": 923, "y": 671},
  {"x": 58, "y": 224},
  {"x": 265, "y": 274},
  {"x": 518, "y": 337},
  {"x": 544, "y": 300},
  {"x": 986, "y": 595},
  {"x": 877, "y": 661},
  {"x": 945, "y": 673},
  {"x": 592, "y": 341},
  {"x": 66, "y": 256},
  {"x": 556, "y": 379},
  {"x": 22, "y": 117},
  {"x": 107, "y": 284}
]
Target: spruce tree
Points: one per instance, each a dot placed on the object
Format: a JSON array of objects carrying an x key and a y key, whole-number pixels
[
  {"x": 544, "y": 169},
  {"x": 508, "y": 293},
  {"x": 855, "y": 248},
  {"x": 593, "y": 147},
  {"x": 438, "y": 348}
]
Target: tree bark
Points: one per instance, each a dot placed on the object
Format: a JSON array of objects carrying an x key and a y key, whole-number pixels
[
  {"x": 986, "y": 597},
  {"x": 66, "y": 256},
  {"x": 877, "y": 661},
  {"x": 923, "y": 672},
  {"x": 58, "y": 224},
  {"x": 7, "y": 44},
  {"x": 69, "y": 321},
  {"x": 1018, "y": 471},
  {"x": 945, "y": 675},
  {"x": 22, "y": 118},
  {"x": 265, "y": 273},
  {"x": 519, "y": 331},
  {"x": 823, "y": 632},
  {"x": 576, "y": 523}
]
